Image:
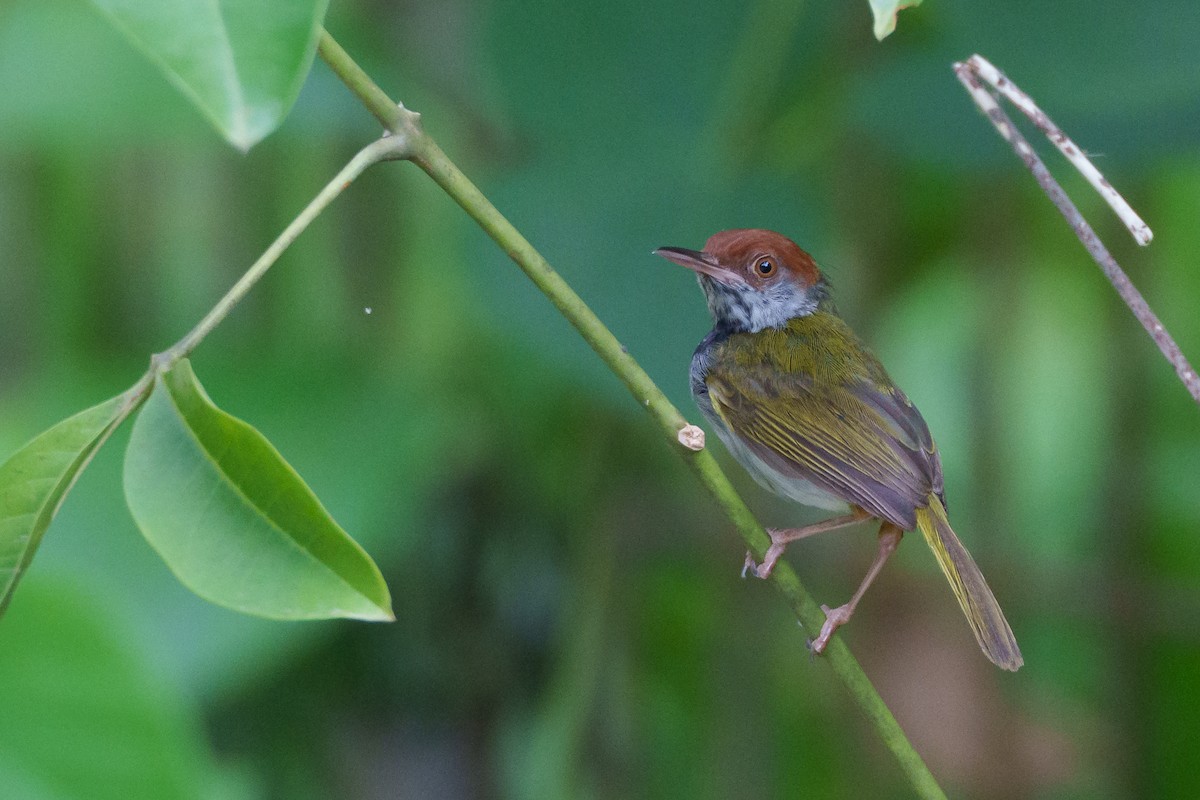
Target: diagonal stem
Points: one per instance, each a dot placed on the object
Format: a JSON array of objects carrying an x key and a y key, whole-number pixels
[
  {"x": 982, "y": 68},
  {"x": 429, "y": 157}
]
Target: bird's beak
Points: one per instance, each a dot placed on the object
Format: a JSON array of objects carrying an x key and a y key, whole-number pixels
[{"x": 702, "y": 262}]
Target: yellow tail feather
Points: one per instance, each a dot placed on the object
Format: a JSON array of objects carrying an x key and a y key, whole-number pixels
[{"x": 977, "y": 601}]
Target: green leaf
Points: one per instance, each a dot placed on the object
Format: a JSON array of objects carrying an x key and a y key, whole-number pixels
[
  {"x": 85, "y": 714},
  {"x": 36, "y": 479},
  {"x": 885, "y": 12},
  {"x": 242, "y": 62},
  {"x": 233, "y": 520}
]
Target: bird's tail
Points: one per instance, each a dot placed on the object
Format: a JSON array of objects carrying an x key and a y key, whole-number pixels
[{"x": 977, "y": 601}]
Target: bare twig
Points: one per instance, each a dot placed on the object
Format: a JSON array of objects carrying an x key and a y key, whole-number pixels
[
  {"x": 977, "y": 68},
  {"x": 983, "y": 68}
]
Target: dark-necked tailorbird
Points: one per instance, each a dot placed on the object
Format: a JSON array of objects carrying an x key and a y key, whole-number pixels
[{"x": 806, "y": 408}]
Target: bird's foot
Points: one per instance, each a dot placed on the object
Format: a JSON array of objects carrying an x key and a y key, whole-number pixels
[
  {"x": 834, "y": 619},
  {"x": 781, "y": 536},
  {"x": 772, "y": 555}
]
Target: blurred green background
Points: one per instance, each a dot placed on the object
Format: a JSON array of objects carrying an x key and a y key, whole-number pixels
[{"x": 570, "y": 618}]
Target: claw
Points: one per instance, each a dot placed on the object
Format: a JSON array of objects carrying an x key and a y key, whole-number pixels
[
  {"x": 811, "y": 645},
  {"x": 772, "y": 555},
  {"x": 764, "y": 569}
]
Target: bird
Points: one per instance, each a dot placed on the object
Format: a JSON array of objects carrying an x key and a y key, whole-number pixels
[{"x": 805, "y": 407}]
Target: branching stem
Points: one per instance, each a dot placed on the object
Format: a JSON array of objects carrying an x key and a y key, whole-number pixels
[{"x": 388, "y": 147}]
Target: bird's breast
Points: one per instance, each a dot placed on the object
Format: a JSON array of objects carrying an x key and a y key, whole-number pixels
[{"x": 719, "y": 357}]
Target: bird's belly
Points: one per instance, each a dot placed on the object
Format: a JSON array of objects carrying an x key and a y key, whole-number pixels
[{"x": 790, "y": 486}]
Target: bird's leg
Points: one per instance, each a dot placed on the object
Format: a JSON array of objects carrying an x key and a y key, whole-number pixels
[
  {"x": 780, "y": 537},
  {"x": 889, "y": 538}
]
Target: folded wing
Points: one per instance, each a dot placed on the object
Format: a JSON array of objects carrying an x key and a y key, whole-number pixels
[{"x": 861, "y": 440}]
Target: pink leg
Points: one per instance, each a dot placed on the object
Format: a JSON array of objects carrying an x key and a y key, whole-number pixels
[
  {"x": 780, "y": 537},
  {"x": 889, "y": 538}
]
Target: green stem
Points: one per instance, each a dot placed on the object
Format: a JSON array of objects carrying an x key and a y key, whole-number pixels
[
  {"x": 426, "y": 154},
  {"x": 386, "y": 110},
  {"x": 380, "y": 150},
  {"x": 429, "y": 157}
]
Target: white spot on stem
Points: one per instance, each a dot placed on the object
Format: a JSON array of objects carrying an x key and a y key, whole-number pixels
[{"x": 691, "y": 437}]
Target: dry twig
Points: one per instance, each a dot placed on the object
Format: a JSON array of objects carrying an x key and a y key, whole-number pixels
[{"x": 977, "y": 69}]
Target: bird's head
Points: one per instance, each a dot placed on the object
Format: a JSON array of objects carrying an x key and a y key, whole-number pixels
[{"x": 753, "y": 279}]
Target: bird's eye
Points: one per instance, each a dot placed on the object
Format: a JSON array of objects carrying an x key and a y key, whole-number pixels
[{"x": 765, "y": 268}]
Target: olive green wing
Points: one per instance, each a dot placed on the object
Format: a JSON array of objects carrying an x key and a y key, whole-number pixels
[{"x": 862, "y": 441}]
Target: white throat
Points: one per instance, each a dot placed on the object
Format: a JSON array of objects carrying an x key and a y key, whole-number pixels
[{"x": 744, "y": 308}]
